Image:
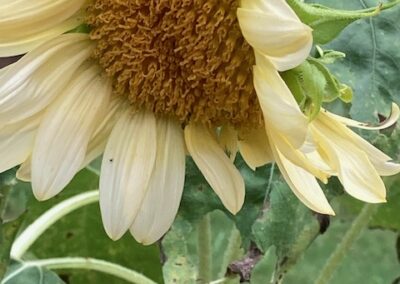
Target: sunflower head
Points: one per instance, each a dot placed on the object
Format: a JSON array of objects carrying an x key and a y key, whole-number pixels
[{"x": 184, "y": 59}]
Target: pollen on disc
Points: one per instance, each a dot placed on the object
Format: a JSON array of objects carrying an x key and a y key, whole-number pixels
[{"x": 182, "y": 58}]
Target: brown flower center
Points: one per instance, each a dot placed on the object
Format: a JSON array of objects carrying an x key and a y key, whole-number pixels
[{"x": 184, "y": 58}]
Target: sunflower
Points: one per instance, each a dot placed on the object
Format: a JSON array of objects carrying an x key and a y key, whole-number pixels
[{"x": 151, "y": 82}]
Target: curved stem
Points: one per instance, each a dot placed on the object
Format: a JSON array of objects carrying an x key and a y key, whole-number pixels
[
  {"x": 89, "y": 264},
  {"x": 343, "y": 247},
  {"x": 33, "y": 231}
]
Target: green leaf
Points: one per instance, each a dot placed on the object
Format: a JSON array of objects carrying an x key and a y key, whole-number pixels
[
  {"x": 372, "y": 258},
  {"x": 81, "y": 234},
  {"x": 328, "y": 56},
  {"x": 327, "y": 23},
  {"x": 309, "y": 85},
  {"x": 286, "y": 224},
  {"x": 201, "y": 252},
  {"x": 387, "y": 215},
  {"x": 13, "y": 201},
  {"x": 198, "y": 194},
  {"x": 332, "y": 86},
  {"x": 372, "y": 59},
  {"x": 19, "y": 273},
  {"x": 263, "y": 272}
]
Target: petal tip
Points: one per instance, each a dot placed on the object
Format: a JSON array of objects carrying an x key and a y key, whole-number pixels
[
  {"x": 42, "y": 195},
  {"x": 114, "y": 234}
]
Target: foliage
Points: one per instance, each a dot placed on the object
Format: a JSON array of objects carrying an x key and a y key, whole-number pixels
[{"x": 274, "y": 237}]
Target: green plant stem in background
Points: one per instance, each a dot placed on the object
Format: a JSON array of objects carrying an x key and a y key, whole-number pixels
[
  {"x": 205, "y": 250},
  {"x": 89, "y": 264},
  {"x": 357, "y": 227},
  {"x": 33, "y": 231}
]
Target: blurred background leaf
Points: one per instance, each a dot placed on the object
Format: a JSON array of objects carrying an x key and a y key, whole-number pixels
[
  {"x": 201, "y": 252},
  {"x": 81, "y": 234}
]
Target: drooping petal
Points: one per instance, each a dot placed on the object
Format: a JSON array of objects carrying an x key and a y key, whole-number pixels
[
  {"x": 273, "y": 29},
  {"x": 65, "y": 131},
  {"x": 30, "y": 84},
  {"x": 25, "y": 24},
  {"x": 16, "y": 142},
  {"x": 381, "y": 162},
  {"x": 354, "y": 169},
  {"x": 228, "y": 139},
  {"x": 216, "y": 167},
  {"x": 280, "y": 109},
  {"x": 127, "y": 166},
  {"x": 392, "y": 119},
  {"x": 255, "y": 149},
  {"x": 164, "y": 193},
  {"x": 296, "y": 157},
  {"x": 304, "y": 185}
]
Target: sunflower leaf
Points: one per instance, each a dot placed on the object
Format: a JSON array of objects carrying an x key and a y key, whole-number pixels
[
  {"x": 328, "y": 23},
  {"x": 19, "y": 272},
  {"x": 201, "y": 252}
]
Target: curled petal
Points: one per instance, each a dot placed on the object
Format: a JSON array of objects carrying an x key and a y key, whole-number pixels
[
  {"x": 275, "y": 31},
  {"x": 277, "y": 7},
  {"x": 392, "y": 119},
  {"x": 216, "y": 167},
  {"x": 127, "y": 166},
  {"x": 280, "y": 109}
]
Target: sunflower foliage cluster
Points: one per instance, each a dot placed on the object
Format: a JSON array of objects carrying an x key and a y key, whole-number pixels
[{"x": 305, "y": 190}]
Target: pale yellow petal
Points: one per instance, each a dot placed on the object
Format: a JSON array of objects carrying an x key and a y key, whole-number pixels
[
  {"x": 297, "y": 157},
  {"x": 159, "y": 207},
  {"x": 216, "y": 167},
  {"x": 392, "y": 119},
  {"x": 26, "y": 24},
  {"x": 304, "y": 185},
  {"x": 354, "y": 169},
  {"x": 128, "y": 163},
  {"x": 16, "y": 142},
  {"x": 284, "y": 39},
  {"x": 255, "y": 149},
  {"x": 280, "y": 109},
  {"x": 99, "y": 138},
  {"x": 381, "y": 162},
  {"x": 24, "y": 44},
  {"x": 29, "y": 85},
  {"x": 277, "y": 7},
  {"x": 65, "y": 131},
  {"x": 228, "y": 139},
  {"x": 24, "y": 172}
]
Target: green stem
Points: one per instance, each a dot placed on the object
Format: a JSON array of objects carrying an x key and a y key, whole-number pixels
[
  {"x": 269, "y": 186},
  {"x": 41, "y": 224},
  {"x": 85, "y": 263},
  {"x": 204, "y": 249},
  {"x": 357, "y": 227}
]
